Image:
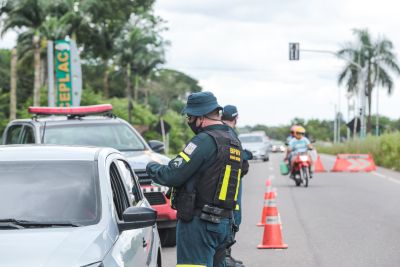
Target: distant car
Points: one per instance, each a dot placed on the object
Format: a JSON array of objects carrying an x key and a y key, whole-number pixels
[
  {"x": 257, "y": 143},
  {"x": 73, "y": 206},
  {"x": 84, "y": 126},
  {"x": 277, "y": 146}
]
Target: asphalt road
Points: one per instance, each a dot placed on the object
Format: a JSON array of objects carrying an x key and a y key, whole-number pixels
[{"x": 341, "y": 219}]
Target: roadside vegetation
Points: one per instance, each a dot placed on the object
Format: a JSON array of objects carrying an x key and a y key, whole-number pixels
[{"x": 385, "y": 149}]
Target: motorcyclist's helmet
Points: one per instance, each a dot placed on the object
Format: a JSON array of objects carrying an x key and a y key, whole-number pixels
[
  {"x": 299, "y": 132},
  {"x": 293, "y": 129}
]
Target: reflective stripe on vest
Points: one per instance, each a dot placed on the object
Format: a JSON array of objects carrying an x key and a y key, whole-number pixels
[
  {"x": 237, "y": 207},
  {"x": 238, "y": 184},
  {"x": 184, "y": 156},
  {"x": 225, "y": 182}
]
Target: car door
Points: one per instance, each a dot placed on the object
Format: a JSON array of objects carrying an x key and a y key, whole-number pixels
[
  {"x": 137, "y": 199},
  {"x": 130, "y": 247}
]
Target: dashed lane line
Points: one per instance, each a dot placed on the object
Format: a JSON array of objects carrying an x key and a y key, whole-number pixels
[{"x": 391, "y": 179}]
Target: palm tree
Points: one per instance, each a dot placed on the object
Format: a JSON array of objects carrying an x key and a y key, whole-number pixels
[
  {"x": 376, "y": 58},
  {"x": 27, "y": 14},
  {"x": 139, "y": 50}
]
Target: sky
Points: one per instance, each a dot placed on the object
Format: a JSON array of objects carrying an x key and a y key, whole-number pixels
[{"x": 238, "y": 49}]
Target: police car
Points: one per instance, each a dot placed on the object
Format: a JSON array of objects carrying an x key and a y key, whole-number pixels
[{"x": 97, "y": 126}]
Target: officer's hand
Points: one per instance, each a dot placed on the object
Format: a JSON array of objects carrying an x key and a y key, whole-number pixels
[
  {"x": 149, "y": 165},
  {"x": 248, "y": 155}
]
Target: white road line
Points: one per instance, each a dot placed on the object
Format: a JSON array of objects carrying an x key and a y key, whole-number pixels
[
  {"x": 379, "y": 174},
  {"x": 386, "y": 177},
  {"x": 271, "y": 168}
]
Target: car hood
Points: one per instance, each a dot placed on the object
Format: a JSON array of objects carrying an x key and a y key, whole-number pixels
[
  {"x": 48, "y": 247},
  {"x": 139, "y": 159}
]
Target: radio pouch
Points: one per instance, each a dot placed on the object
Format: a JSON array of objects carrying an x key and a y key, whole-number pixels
[{"x": 185, "y": 206}]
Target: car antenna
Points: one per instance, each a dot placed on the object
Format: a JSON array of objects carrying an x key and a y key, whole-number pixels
[{"x": 44, "y": 131}]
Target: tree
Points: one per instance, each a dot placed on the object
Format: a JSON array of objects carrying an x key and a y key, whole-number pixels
[
  {"x": 29, "y": 14},
  {"x": 376, "y": 57}
]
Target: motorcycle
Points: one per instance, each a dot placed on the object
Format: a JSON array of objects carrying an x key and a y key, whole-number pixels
[{"x": 301, "y": 167}]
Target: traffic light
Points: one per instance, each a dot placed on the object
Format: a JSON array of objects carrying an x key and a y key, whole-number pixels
[{"x": 294, "y": 51}]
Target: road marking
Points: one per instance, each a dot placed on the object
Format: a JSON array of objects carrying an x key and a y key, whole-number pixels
[
  {"x": 271, "y": 168},
  {"x": 391, "y": 179},
  {"x": 379, "y": 174}
]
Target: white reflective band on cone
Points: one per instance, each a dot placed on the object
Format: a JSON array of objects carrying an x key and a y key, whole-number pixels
[
  {"x": 272, "y": 220},
  {"x": 270, "y": 203}
]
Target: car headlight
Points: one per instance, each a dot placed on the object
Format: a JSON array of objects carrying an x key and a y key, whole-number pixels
[{"x": 96, "y": 264}]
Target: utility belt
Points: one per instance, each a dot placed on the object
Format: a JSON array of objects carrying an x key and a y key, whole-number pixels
[{"x": 213, "y": 214}]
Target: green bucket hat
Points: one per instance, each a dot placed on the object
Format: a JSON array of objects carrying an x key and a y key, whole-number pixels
[{"x": 200, "y": 104}]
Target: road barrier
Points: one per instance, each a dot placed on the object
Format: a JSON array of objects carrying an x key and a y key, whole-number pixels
[{"x": 354, "y": 163}]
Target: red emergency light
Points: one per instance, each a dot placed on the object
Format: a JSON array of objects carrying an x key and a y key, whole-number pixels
[{"x": 84, "y": 110}]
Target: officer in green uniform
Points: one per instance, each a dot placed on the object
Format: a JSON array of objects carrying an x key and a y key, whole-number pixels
[
  {"x": 204, "y": 177},
  {"x": 230, "y": 116}
]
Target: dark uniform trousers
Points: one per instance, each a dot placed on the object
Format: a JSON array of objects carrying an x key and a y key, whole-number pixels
[{"x": 199, "y": 238}]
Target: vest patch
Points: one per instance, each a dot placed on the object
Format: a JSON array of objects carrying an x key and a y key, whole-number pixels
[{"x": 190, "y": 148}]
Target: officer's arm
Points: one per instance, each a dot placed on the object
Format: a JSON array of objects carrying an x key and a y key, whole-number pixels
[{"x": 182, "y": 167}]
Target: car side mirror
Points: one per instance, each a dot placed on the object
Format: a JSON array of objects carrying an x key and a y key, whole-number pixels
[
  {"x": 137, "y": 217},
  {"x": 157, "y": 146}
]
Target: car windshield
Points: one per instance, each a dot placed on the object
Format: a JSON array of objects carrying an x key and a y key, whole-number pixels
[
  {"x": 118, "y": 136},
  {"x": 250, "y": 139},
  {"x": 49, "y": 191}
]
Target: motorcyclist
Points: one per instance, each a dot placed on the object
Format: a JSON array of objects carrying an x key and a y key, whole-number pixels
[{"x": 298, "y": 144}]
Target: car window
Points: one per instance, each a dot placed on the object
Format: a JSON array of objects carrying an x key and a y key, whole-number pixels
[
  {"x": 120, "y": 198},
  {"x": 118, "y": 136},
  {"x": 251, "y": 139},
  {"x": 50, "y": 191},
  {"x": 13, "y": 134},
  {"x": 28, "y": 137},
  {"x": 131, "y": 182}
]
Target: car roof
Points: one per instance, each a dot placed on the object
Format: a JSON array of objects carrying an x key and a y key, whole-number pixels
[
  {"x": 49, "y": 152},
  {"x": 60, "y": 120}
]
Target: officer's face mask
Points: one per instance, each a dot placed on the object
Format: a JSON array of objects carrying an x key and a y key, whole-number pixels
[{"x": 192, "y": 124}]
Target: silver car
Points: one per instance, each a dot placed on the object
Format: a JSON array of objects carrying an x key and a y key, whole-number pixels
[
  {"x": 257, "y": 143},
  {"x": 73, "y": 206}
]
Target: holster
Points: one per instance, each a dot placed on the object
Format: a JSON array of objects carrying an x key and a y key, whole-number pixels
[{"x": 185, "y": 204}]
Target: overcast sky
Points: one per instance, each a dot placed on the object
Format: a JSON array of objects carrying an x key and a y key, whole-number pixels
[{"x": 238, "y": 49}]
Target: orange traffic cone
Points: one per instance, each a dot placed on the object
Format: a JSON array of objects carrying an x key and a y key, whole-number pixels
[
  {"x": 272, "y": 233},
  {"x": 269, "y": 208},
  {"x": 318, "y": 166}
]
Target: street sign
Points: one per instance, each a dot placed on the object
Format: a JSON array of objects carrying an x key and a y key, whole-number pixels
[{"x": 294, "y": 51}]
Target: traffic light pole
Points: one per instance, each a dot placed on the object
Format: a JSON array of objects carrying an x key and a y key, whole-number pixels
[{"x": 361, "y": 84}]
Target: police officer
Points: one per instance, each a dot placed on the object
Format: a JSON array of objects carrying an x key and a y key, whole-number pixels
[
  {"x": 204, "y": 177},
  {"x": 230, "y": 116}
]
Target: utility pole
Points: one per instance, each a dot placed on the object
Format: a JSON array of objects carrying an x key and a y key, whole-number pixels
[{"x": 13, "y": 83}]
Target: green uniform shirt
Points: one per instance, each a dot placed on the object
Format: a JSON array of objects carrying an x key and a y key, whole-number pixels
[{"x": 195, "y": 159}]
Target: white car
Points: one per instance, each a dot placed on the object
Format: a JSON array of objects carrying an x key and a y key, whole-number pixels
[
  {"x": 257, "y": 143},
  {"x": 73, "y": 207}
]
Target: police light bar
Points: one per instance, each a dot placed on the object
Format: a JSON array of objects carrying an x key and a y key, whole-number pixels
[{"x": 84, "y": 110}]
